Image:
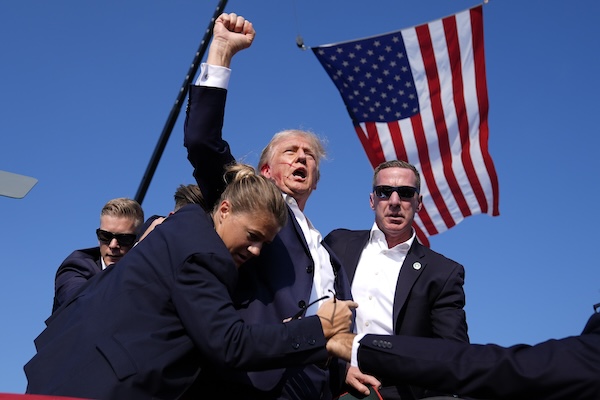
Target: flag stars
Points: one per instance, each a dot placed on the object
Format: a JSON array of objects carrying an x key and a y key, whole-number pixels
[{"x": 368, "y": 74}]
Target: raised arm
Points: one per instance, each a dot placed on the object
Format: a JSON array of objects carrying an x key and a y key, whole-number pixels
[{"x": 207, "y": 151}]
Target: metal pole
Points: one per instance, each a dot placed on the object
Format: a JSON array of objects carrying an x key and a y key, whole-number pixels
[{"x": 168, "y": 128}]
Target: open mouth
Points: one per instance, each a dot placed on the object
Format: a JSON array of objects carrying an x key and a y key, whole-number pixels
[{"x": 300, "y": 172}]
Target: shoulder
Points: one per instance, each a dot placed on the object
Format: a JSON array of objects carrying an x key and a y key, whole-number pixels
[
  {"x": 84, "y": 261},
  {"x": 91, "y": 254},
  {"x": 436, "y": 258}
]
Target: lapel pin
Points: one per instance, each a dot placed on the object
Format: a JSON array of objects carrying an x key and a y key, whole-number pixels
[{"x": 417, "y": 266}]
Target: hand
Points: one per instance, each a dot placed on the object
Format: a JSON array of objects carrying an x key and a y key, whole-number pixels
[
  {"x": 336, "y": 316},
  {"x": 358, "y": 380},
  {"x": 231, "y": 33},
  {"x": 340, "y": 345},
  {"x": 153, "y": 224}
]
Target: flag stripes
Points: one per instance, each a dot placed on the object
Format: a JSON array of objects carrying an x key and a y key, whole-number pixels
[{"x": 420, "y": 95}]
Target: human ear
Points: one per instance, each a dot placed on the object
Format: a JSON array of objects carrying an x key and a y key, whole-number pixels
[
  {"x": 265, "y": 170},
  {"x": 224, "y": 209}
]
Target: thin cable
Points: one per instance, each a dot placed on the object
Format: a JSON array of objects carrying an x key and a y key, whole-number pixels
[{"x": 299, "y": 40}]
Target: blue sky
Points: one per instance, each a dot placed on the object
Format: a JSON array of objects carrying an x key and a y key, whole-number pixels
[{"x": 86, "y": 88}]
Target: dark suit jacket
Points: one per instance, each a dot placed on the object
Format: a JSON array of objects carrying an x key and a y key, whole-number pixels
[
  {"x": 145, "y": 327},
  {"x": 276, "y": 284},
  {"x": 562, "y": 369},
  {"x": 74, "y": 272},
  {"x": 428, "y": 301}
]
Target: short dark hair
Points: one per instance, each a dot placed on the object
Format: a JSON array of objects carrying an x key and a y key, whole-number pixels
[{"x": 188, "y": 194}]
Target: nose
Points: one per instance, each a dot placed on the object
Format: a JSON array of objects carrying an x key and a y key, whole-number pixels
[
  {"x": 113, "y": 244},
  {"x": 255, "y": 248},
  {"x": 394, "y": 199},
  {"x": 301, "y": 156}
]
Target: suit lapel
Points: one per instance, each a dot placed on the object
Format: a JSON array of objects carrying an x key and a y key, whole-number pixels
[
  {"x": 354, "y": 248},
  {"x": 413, "y": 266}
]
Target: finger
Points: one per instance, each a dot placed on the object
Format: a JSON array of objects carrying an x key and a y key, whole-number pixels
[
  {"x": 229, "y": 20},
  {"x": 237, "y": 25},
  {"x": 358, "y": 385}
]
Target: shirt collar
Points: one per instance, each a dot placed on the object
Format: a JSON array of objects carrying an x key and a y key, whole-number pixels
[{"x": 377, "y": 237}]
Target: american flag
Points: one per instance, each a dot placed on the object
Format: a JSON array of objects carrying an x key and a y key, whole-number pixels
[{"x": 420, "y": 95}]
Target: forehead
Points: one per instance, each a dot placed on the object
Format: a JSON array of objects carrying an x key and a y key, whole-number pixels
[
  {"x": 262, "y": 224},
  {"x": 395, "y": 176},
  {"x": 115, "y": 224},
  {"x": 295, "y": 142}
]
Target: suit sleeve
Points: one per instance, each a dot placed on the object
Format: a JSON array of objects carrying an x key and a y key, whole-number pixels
[
  {"x": 216, "y": 328},
  {"x": 556, "y": 369},
  {"x": 207, "y": 151},
  {"x": 70, "y": 277},
  {"x": 448, "y": 318}
]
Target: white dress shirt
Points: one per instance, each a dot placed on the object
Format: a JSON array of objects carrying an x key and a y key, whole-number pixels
[
  {"x": 323, "y": 278},
  {"x": 374, "y": 283}
]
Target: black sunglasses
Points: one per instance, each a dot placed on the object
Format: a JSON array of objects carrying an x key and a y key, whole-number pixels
[
  {"x": 385, "y": 192},
  {"x": 303, "y": 306},
  {"x": 124, "y": 239}
]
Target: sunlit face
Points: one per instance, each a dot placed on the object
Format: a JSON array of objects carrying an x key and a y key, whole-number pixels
[
  {"x": 395, "y": 215},
  {"x": 244, "y": 234},
  {"x": 293, "y": 168},
  {"x": 112, "y": 252}
]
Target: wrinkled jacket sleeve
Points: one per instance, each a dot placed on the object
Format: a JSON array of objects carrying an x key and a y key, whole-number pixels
[{"x": 207, "y": 151}]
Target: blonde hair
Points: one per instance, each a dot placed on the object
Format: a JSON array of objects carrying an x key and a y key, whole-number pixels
[
  {"x": 249, "y": 192},
  {"x": 123, "y": 207}
]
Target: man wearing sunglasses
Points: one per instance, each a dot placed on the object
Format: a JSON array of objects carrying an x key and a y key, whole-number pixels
[
  {"x": 119, "y": 220},
  {"x": 402, "y": 287}
]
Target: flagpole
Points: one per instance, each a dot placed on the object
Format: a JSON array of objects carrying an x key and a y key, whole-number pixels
[{"x": 168, "y": 128}]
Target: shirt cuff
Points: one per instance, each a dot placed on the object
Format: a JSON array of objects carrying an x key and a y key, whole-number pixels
[
  {"x": 213, "y": 76},
  {"x": 355, "y": 344}
]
